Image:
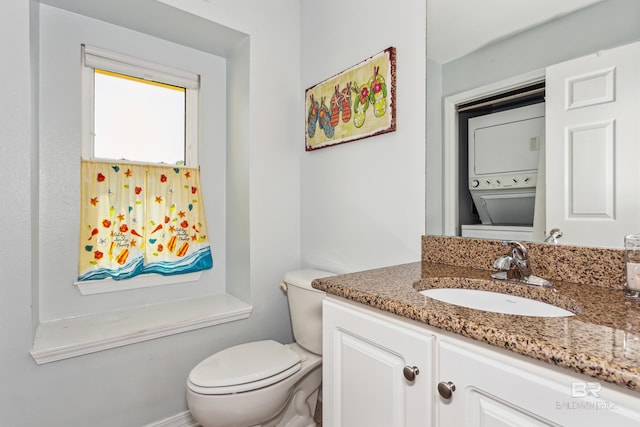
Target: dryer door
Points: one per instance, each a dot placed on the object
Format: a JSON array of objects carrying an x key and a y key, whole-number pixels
[{"x": 505, "y": 208}]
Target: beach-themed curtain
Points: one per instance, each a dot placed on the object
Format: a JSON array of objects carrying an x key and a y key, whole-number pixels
[{"x": 141, "y": 219}]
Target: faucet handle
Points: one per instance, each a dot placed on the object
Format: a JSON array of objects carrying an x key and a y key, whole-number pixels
[
  {"x": 518, "y": 248},
  {"x": 553, "y": 236},
  {"x": 503, "y": 263}
]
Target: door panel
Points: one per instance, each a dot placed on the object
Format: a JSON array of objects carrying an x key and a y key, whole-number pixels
[
  {"x": 493, "y": 390},
  {"x": 363, "y": 379},
  {"x": 381, "y": 394},
  {"x": 593, "y": 150}
]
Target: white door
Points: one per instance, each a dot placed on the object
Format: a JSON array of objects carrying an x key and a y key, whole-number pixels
[
  {"x": 593, "y": 147},
  {"x": 364, "y": 357}
]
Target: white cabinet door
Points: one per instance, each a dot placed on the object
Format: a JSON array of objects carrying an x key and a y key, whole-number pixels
[
  {"x": 495, "y": 390},
  {"x": 593, "y": 147},
  {"x": 364, "y": 355}
]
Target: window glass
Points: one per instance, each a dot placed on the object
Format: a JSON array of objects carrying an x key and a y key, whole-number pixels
[{"x": 138, "y": 120}]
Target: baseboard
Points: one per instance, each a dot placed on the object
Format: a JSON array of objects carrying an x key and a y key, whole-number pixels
[{"x": 183, "y": 419}]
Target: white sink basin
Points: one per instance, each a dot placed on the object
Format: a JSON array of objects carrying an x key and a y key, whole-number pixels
[{"x": 496, "y": 302}]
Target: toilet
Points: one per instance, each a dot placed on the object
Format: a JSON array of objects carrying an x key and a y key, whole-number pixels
[{"x": 266, "y": 383}]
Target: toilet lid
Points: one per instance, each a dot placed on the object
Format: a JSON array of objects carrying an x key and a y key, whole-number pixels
[{"x": 245, "y": 367}]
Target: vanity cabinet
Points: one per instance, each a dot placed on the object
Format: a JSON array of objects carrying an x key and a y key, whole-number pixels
[
  {"x": 366, "y": 351},
  {"x": 377, "y": 370},
  {"x": 495, "y": 389}
]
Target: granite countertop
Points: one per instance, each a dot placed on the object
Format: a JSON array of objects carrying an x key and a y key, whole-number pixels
[{"x": 602, "y": 340}]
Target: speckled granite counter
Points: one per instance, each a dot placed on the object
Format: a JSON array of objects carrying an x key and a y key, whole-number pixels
[{"x": 602, "y": 340}]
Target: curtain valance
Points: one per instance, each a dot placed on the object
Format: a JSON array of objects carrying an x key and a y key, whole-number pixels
[{"x": 141, "y": 219}]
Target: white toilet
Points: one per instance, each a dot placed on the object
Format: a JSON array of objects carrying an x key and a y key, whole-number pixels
[{"x": 265, "y": 383}]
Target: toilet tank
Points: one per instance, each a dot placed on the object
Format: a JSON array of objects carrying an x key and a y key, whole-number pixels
[{"x": 305, "y": 305}]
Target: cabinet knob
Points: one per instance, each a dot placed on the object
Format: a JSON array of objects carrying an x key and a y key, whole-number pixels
[
  {"x": 410, "y": 372},
  {"x": 446, "y": 389}
]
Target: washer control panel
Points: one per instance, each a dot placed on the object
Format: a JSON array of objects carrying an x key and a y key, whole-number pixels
[{"x": 503, "y": 181}]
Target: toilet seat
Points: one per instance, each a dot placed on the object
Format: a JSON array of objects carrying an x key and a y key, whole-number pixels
[{"x": 244, "y": 367}]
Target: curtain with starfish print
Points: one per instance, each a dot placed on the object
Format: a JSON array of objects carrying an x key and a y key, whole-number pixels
[{"x": 141, "y": 219}]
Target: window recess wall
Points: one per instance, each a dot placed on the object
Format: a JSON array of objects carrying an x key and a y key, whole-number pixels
[{"x": 60, "y": 35}]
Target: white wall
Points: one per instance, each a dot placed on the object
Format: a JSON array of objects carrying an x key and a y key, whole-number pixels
[
  {"x": 363, "y": 203},
  {"x": 61, "y": 34},
  {"x": 272, "y": 111},
  {"x": 17, "y": 151},
  {"x": 434, "y": 156},
  {"x": 145, "y": 382}
]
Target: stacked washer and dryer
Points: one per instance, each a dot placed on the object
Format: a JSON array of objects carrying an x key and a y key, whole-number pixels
[{"x": 506, "y": 152}]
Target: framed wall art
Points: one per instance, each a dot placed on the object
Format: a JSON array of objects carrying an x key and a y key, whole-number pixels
[{"x": 357, "y": 103}]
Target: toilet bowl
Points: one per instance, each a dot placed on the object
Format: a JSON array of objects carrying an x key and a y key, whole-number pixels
[{"x": 266, "y": 383}]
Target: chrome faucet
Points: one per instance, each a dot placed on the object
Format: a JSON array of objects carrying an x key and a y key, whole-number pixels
[
  {"x": 514, "y": 267},
  {"x": 521, "y": 268}
]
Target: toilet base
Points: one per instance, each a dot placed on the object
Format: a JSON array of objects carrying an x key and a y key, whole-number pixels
[
  {"x": 290, "y": 403},
  {"x": 299, "y": 413}
]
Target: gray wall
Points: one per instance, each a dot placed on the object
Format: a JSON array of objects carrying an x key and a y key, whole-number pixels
[{"x": 604, "y": 25}]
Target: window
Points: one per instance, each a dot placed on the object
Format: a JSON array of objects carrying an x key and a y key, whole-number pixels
[
  {"x": 137, "y": 110},
  {"x": 138, "y": 120},
  {"x": 141, "y": 201}
]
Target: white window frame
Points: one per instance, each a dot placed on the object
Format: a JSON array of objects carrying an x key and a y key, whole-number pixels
[{"x": 92, "y": 58}]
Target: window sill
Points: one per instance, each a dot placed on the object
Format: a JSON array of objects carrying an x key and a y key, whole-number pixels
[{"x": 76, "y": 336}]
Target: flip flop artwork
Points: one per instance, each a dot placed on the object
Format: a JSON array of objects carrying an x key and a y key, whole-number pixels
[{"x": 361, "y": 103}]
